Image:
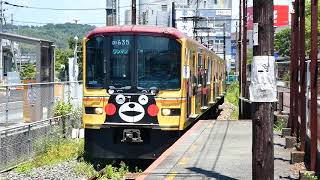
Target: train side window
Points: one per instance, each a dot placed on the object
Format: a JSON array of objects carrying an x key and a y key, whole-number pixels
[
  {"x": 209, "y": 73},
  {"x": 199, "y": 72},
  {"x": 199, "y": 60},
  {"x": 194, "y": 63},
  {"x": 195, "y": 69}
]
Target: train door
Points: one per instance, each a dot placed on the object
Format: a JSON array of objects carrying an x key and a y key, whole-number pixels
[
  {"x": 188, "y": 55},
  {"x": 199, "y": 68},
  {"x": 209, "y": 79},
  {"x": 193, "y": 83},
  {"x": 216, "y": 79},
  {"x": 204, "y": 82}
]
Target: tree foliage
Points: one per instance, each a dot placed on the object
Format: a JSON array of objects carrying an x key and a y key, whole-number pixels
[
  {"x": 28, "y": 72},
  {"x": 62, "y": 63},
  {"x": 283, "y": 38},
  {"x": 282, "y": 42},
  {"x": 58, "y": 33}
]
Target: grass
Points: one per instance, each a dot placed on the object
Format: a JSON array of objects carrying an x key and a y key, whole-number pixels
[
  {"x": 279, "y": 125},
  {"x": 114, "y": 172},
  {"x": 63, "y": 151},
  {"x": 110, "y": 172},
  {"x": 84, "y": 168},
  {"x": 232, "y": 96},
  {"x": 309, "y": 176}
]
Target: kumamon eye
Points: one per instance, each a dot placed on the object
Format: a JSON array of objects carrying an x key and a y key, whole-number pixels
[
  {"x": 143, "y": 99},
  {"x": 120, "y": 99}
]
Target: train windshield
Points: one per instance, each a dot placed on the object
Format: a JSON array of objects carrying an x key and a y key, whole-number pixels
[
  {"x": 158, "y": 62},
  {"x": 125, "y": 61},
  {"x": 120, "y": 62}
]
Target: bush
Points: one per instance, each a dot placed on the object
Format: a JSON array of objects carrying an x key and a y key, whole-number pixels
[
  {"x": 232, "y": 96},
  {"x": 62, "y": 109}
]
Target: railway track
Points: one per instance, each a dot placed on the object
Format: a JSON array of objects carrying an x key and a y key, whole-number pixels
[{"x": 142, "y": 163}]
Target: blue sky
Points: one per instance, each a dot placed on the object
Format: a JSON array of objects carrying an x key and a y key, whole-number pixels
[{"x": 47, "y": 16}]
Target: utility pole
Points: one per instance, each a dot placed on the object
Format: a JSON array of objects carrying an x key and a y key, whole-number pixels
[
  {"x": 263, "y": 65},
  {"x": 118, "y": 13},
  {"x": 314, "y": 78},
  {"x": 1, "y": 18},
  {"x": 244, "y": 52},
  {"x": 224, "y": 42},
  {"x": 133, "y": 12},
  {"x": 239, "y": 46},
  {"x": 110, "y": 12},
  {"x": 195, "y": 21},
  {"x": 173, "y": 15},
  {"x": 1, "y": 49}
]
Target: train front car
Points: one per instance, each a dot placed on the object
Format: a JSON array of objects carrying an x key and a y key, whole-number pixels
[{"x": 132, "y": 92}]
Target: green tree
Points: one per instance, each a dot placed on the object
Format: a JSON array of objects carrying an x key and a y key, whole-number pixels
[
  {"x": 282, "y": 41},
  {"x": 58, "y": 33},
  {"x": 28, "y": 72},
  {"x": 62, "y": 63}
]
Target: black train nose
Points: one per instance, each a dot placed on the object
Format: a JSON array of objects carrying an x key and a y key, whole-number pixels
[{"x": 131, "y": 105}]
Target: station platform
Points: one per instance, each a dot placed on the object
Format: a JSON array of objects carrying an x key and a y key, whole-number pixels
[{"x": 211, "y": 149}]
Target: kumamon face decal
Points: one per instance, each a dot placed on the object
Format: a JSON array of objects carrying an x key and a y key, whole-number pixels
[
  {"x": 131, "y": 108},
  {"x": 143, "y": 99},
  {"x": 131, "y": 112},
  {"x": 120, "y": 99}
]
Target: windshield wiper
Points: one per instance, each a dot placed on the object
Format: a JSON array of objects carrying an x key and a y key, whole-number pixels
[
  {"x": 114, "y": 88},
  {"x": 152, "y": 90}
]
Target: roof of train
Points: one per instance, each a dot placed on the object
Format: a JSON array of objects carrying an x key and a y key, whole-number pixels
[{"x": 138, "y": 29}]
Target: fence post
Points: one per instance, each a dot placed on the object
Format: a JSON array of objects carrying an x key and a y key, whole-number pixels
[
  {"x": 29, "y": 140},
  {"x": 7, "y": 105},
  {"x": 280, "y": 102}
]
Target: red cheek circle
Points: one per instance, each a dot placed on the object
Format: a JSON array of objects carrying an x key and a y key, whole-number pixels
[
  {"x": 153, "y": 110},
  {"x": 110, "y": 109}
]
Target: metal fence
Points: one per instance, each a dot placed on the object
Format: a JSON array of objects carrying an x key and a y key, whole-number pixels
[
  {"x": 28, "y": 119},
  {"x": 283, "y": 83},
  {"x": 31, "y": 102}
]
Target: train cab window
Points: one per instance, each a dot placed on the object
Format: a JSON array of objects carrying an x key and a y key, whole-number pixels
[
  {"x": 159, "y": 62},
  {"x": 120, "y": 62},
  {"x": 95, "y": 55}
]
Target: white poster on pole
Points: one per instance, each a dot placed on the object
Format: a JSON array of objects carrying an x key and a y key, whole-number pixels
[{"x": 263, "y": 84}]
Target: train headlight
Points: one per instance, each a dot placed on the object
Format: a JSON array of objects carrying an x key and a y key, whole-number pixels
[
  {"x": 166, "y": 112},
  {"x": 98, "y": 110}
]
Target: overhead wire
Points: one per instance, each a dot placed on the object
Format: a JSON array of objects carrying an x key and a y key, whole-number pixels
[{"x": 70, "y": 9}]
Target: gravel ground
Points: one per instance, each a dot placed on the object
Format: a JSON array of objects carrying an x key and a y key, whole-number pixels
[{"x": 63, "y": 170}]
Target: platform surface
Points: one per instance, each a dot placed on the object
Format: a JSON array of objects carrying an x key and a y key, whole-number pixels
[{"x": 215, "y": 150}]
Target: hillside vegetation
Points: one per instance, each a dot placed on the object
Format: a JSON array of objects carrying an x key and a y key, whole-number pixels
[
  {"x": 63, "y": 37},
  {"x": 58, "y": 33}
]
